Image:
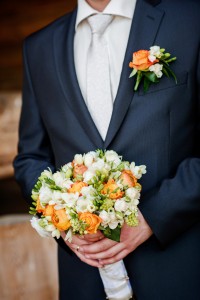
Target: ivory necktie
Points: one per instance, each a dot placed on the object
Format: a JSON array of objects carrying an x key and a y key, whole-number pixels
[{"x": 99, "y": 97}]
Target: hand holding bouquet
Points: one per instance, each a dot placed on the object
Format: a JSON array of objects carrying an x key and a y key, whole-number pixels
[{"x": 96, "y": 191}]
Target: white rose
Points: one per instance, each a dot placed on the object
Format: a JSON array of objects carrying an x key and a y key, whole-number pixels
[
  {"x": 35, "y": 224},
  {"x": 120, "y": 205},
  {"x": 157, "y": 69},
  {"x": 132, "y": 193},
  {"x": 111, "y": 155},
  {"x": 66, "y": 167},
  {"x": 78, "y": 159},
  {"x": 45, "y": 194}
]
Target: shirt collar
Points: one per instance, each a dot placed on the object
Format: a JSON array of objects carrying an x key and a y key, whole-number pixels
[{"x": 123, "y": 8}]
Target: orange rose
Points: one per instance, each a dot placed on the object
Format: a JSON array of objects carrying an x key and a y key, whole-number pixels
[
  {"x": 141, "y": 61},
  {"x": 79, "y": 170},
  {"x": 49, "y": 210},
  {"x": 39, "y": 207},
  {"x": 77, "y": 186},
  {"x": 93, "y": 221},
  {"x": 60, "y": 219},
  {"x": 112, "y": 189},
  {"x": 128, "y": 178}
]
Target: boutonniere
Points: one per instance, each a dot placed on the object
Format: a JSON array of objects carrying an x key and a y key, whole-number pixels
[{"x": 150, "y": 65}]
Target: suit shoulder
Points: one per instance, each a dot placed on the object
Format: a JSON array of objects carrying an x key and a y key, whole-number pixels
[{"x": 46, "y": 33}]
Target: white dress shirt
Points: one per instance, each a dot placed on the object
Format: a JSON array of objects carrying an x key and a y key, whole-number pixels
[{"x": 116, "y": 34}]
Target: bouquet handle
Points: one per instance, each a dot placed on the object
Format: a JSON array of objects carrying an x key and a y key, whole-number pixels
[{"x": 116, "y": 281}]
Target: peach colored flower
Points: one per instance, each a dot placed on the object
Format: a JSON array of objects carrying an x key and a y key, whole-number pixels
[
  {"x": 77, "y": 186},
  {"x": 112, "y": 189},
  {"x": 60, "y": 219},
  {"x": 128, "y": 178},
  {"x": 49, "y": 210},
  {"x": 92, "y": 220},
  {"x": 141, "y": 61},
  {"x": 79, "y": 170}
]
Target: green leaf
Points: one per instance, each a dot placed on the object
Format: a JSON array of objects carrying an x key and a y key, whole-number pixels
[
  {"x": 146, "y": 84},
  {"x": 151, "y": 76},
  {"x": 170, "y": 72},
  {"x": 113, "y": 234},
  {"x": 133, "y": 73},
  {"x": 138, "y": 80},
  {"x": 165, "y": 72}
]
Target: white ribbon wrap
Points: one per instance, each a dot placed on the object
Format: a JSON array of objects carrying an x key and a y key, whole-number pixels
[{"x": 116, "y": 281}]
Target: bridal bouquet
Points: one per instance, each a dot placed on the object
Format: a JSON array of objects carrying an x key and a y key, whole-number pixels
[{"x": 96, "y": 191}]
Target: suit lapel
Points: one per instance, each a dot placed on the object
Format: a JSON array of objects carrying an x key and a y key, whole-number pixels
[
  {"x": 143, "y": 32},
  {"x": 64, "y": 58}
]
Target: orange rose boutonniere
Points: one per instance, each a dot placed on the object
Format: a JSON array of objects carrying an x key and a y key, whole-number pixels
[{"x": 150, "y": 65}]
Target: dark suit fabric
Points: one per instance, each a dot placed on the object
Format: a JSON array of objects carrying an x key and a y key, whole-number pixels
[{"x": 159, "y": 128}]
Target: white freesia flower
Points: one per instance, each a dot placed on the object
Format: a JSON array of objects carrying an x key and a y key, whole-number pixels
[
  {"x": 50, "y": 227},
  {"x": 69, "y": 236},
  {"x": 132, "y": 193},
  {"x": 155, "y": 50},
  {"x": 35, "y": 224},
  {"x": 104, "y": 215},
  {"x": 138, "y": 171},
  {"x": 98, "y": 165},
  {"x": 111, "y": 155},
  {"x": 57, "y": 196},
  {"x": 84, "y": 205},
  {"x": 113, "y": 224},
  {"x": 56, "y": 233},
  {"x": 152, "y": 58},
  {"x": 78, "y": 159},
  {"x": 47, "y": 173},
  {"x": 58, "y": 177},
  {"x": 157, "y": 69},
  {"x": 45, "y": 194},
  {"x": 70, "y": 198},
  {"x": 87, "y": 175},
  {"x": 87, "y": 191},
  {"x": 67, "y": 183},
  {"x": 121, "y": 205},
  {"x": 89, "y": 158},
  {"x": 66, "y": 167}
]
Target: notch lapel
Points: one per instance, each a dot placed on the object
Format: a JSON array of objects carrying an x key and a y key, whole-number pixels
[
  {"x": 144, "y": 28},
  {"x": 64, "y": 58}
]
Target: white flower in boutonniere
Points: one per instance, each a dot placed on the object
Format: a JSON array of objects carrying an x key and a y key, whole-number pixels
[{"x": 150, "y": 65}]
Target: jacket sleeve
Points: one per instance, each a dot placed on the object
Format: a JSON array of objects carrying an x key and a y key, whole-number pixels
[
  {"x": 174, "y": 206},
  {"x": 34, "y": 148}
]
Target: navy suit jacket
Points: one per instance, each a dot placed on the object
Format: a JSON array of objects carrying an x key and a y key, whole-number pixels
[{"x": 159, "y": 128}]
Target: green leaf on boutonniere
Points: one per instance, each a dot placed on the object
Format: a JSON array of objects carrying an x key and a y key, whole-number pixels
[
  {"x": 133, "y": 73},
  {"x": 151, "y": 76}
]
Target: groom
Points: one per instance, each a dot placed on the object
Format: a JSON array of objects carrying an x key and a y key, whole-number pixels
[{"x": 64, "y": 96}]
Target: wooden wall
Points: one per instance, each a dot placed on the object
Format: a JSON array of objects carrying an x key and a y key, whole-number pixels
[{"x": 18, "y": 19}]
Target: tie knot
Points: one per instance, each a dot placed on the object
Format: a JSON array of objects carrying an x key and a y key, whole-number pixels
[{"x": 99, "y": 22}]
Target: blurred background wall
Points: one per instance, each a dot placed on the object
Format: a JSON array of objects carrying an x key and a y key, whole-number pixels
[
  {"x": 28, "y": 263},
  {"x": 17, "y": 20}
]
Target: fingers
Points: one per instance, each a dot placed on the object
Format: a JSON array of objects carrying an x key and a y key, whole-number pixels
[
  {"x": 94, "y": 237},
  {"x": 110, "y": 252},
  {"x": 91, "y": 262},
  {"x": 75, "y": 246},
  {"x": 115, "y": 258},
  {"x": 97, "y": 247}
]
